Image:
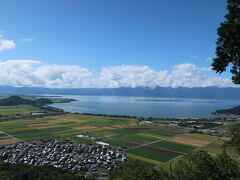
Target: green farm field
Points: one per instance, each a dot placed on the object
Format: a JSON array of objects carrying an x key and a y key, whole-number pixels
[
  {"x": 152, "y": 144},
  {"x": 152, "y": 154},
  {"x": 172, "y": 146},
  {"x": 20, "y": 109}
]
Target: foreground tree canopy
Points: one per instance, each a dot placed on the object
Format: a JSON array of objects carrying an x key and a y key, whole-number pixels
[
  {"x": 196, "y": 165},
  {"x": 27, "y": 172},
  {"x": 199, "y": 165},
  {"x": 228, "y": 43}
]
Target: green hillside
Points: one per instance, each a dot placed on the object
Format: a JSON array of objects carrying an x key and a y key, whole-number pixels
[{"x": 17, "y": 100}]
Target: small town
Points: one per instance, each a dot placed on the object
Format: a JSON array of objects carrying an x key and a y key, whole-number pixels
[{"x": 83, "y": 159}]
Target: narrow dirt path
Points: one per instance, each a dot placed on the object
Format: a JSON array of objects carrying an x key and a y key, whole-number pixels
[
  {"x": 164, "y": 139},
  {"x": 13, "y": 137},
  {"x": 185, "y": 153}
]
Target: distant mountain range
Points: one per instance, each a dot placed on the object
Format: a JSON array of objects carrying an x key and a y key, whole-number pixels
[{"x": 198, "y": 92}]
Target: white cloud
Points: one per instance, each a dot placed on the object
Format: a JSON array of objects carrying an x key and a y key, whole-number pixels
[
  {"x": 189, "y": 75},
  {"x": 6, "y": 44},
  {"x": 32, "y": 73},
  {"x": 185, "y": 75},
  {"x": 26, "y": 40},
  {"x": 62, "y": 76},
  {"x": 130, "y": 76},
  {"x": 35, "y": 74}
]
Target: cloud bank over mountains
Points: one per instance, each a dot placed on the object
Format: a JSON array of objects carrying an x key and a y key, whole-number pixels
[{"x": 33, "y": 73}]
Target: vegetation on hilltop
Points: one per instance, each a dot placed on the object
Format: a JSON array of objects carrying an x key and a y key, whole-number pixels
[
  {"x": 201, "y": 165},
  {"x": 135, "y": 169},
  {"x": 22, "y": 171},
  {"x": 17, "y": 100},
  {"x": 196, "y": 165},
  {"x": 15, "y": 107},
  {"x": 232, "y": 111}
]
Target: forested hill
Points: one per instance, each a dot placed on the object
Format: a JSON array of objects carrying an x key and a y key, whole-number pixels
[
  {"x": 232, "y": 111},
  {"x": 26, "y": 172},
  {"x": 182, "y": 92},
  {"x": 17, "y": 100}
]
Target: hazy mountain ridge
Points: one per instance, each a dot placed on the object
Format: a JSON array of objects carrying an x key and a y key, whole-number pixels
[{"x": 197, "y": 92}]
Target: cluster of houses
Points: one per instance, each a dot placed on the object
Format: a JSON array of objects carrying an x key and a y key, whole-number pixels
[
  {"x": 83, "y": 159},
  {"x": 231, "y": 117},
  {"x": 175, "y": 123}
]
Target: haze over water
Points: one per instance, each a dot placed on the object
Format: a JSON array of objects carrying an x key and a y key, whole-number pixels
[{"x": 146, "y": 106}]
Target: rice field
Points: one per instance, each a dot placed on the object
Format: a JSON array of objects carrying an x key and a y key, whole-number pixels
[
  {"x": 173, "y": 146},
  {"x": 151, "y": 154},
  {"x": 194, "y": 139},
  {"x": 151, "y": 144},
  {"x": 18, "y": 110}
]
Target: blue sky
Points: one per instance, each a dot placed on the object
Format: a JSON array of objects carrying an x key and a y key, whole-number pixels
[{"x": 96, "y": 34}]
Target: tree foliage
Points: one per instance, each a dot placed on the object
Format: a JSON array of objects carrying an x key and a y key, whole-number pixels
[
  {"x": 228, "y": 43},
  {"x": 234, "y": 111},
  {"x": 136, "y": 170},
  {"x": 17, "y": 100},
  {"x": 199, "y": 165},
  {"x": 27, "y": 172},
  {"x": 196, "y": 165}
]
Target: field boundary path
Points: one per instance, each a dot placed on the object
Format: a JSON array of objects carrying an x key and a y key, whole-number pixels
[
  {"x": 163, "y": 149},
  {"x": 164, "y": 139},
  {"x": 13, "y": 137},
  {"x": 186, "y": 153}
]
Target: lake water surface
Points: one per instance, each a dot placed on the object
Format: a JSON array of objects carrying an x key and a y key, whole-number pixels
[{"x": 146, "y": 106}]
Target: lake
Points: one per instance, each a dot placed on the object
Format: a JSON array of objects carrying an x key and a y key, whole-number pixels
[{"x": 146, "y": 106}]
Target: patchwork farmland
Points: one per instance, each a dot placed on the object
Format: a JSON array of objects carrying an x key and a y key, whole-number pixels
[
  {"x": 153, "y": 144},
  {"x": 18, "y": 110}
]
